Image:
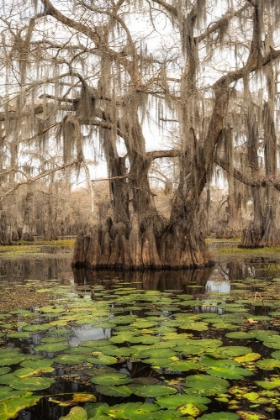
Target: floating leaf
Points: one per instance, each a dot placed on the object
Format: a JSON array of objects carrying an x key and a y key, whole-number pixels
[
  {"x": 132, "y": 411},
  {"x": 175, "y": 401},
  {"x": 77, "y": 398},
  {"x": 6, "y": 379},
  {"x": 232, "y": 351},
  {"x": 19, "y": 334},
  {"x": 250, "y": 357},
  {"x": 189, "y": 410},
  {"x": 27, "y": 372},
  {"x": 32, "y": 384},
  {"x": 76, "y": 413},
  {"x": 11, "y": 407},
  {"x": 122, "y": 337},
  {"x": 250, "y": 415},
  {"x": 52, "y": 347},
  {"x": 69, "y": 359},
  {"x": 111, "y": 379},
  {"x": 272, "y": 383},
  {"x": 268, "y": 364},
  {"x": 152, "y": 391},
  {"x": 121, "y": 391},
  {"x": 276, "y": 354},
  {"x": 206, "y": 384},
  {"x": 101, "y": 359},
  {"x": 35, "y": 364},
  {"x": 12, "y": 360},
  {"x": 184, "y": 366},
  {"x": 4, "y": 370},
  {"x": 6, "y": 392}
]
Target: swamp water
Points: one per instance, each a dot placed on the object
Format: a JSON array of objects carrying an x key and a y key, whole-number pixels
[{"x": 198, "y": 344}]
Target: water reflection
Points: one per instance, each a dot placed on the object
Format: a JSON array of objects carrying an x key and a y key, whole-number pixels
[
  {"x": 87, "y": 333},
  {"x": 175, "y": 281},
  {"x": 196, "y": 281},
  {"x": 32, "y": 268}
]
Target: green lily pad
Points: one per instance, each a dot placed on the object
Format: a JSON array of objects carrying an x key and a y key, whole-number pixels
[
  {"x": 101, "y": 359},
  {"x": 123, "y": 337},
  {"x": 232, "y": 351},
  {"x": 19, "y": 334},
  {"x": 117, "y": 351},
  {"x": 6, "y": 379},
  {"x": 227, "y": 369},
  {"x": 276, "y": 354},
  {"x": 76, "y": 413},
  {"x": 154, "y": 353},
  {"x": 175, "y": 401},
  {"x": 69, "y": 359},
  {"x": 11, "y": 407},
  {"x": 14, "y": 359},
  {"x": 195, "y": 326},
  {"x": 111, "y": 379},
  {"x": 52, "y": 339},
  {"x": 133, "y": 411},
  {"x": 270, "y": 383},
  {"x": 4, "y": 370},
  {"x": 144, "y": 339},
  {"x": 242, "y": 335},
  {"x": 37, "y": 363},
  {"x": 207, "y": 385},
  {"x": 184, "y": 366},
  {"x": 37, "y": 327},
  {"x": 120, "y": 391},
  {"x": 32, "y": 384},
  {"x": 6, "y": 392},
  {"x": 27, "y": 372},
  {"x": 268, "y": 364},
  {"x": 152, "y": 391}
]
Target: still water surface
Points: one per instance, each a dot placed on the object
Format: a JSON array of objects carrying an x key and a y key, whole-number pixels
[{"x": 200, "y": 285}]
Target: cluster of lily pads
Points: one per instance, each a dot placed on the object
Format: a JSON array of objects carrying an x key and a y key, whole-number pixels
[{"x": 163, "y": 355}]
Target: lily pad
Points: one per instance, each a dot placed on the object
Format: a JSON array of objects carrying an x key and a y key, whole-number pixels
[
  {"x": 69, "y": 359},
  {"x": 4, "y": 370},
  {"x": 99, "y": 358},
  {"x": 6, "y": 392},
  {"x": 32, "y": 384},
  {"x": 76, "y": 413},
  {"x": 14, "y": 359},
  {"x": 52, "y": 347},
  {"x": 175, "y": 401},
  {"x": 11, "y": 407},
  {"x": 272, "y": 383},
  {"x": 207, "y": 385},
  {"x": 250, "y": 415},
  {"x": 6, "y": 379},
  {"x": 152, "y": 391},
  {"x": 268, "y": 364},
  {"x": 111, "y": 379},
  {"x": 120, "y": 391}
]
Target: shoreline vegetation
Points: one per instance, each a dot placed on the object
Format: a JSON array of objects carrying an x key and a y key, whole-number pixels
[{"x": 219, "y": 248}]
